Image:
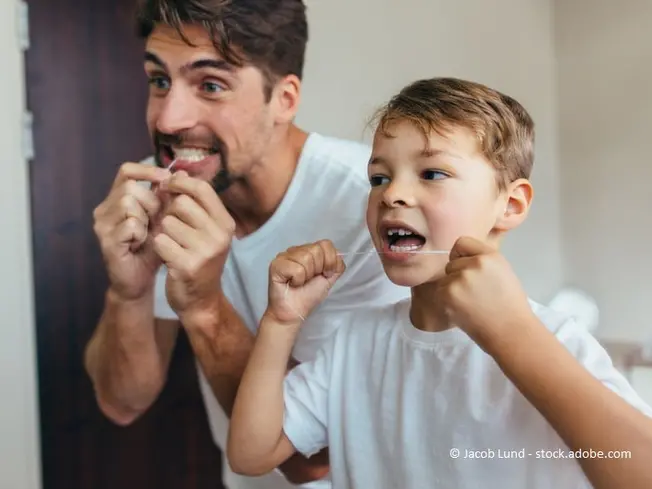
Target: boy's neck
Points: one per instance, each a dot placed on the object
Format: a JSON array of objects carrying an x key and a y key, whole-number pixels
[{"x": 424, "y": 313}]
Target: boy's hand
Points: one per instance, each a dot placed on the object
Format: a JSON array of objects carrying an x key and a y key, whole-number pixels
[
  {"x": 311, "y": 270},
  {"x": 481, "y": 294}
]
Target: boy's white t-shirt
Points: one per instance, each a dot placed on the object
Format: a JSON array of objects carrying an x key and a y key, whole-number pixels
[
  {"x": 404, "y": 408},
  {"x": 326, "y": 199}
]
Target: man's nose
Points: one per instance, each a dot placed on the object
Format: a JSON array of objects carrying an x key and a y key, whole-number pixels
[{"x": 179, "y": 112}]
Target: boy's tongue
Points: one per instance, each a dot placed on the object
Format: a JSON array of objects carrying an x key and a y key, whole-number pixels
[{"x": 408, "y": 241}]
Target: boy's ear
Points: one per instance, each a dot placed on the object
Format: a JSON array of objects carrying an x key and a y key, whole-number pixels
[
  {"x": 286, "y": 96},
  {"x": 517, "y": 205}
]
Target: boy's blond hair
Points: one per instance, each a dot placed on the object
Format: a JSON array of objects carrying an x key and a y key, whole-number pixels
[{"x": 504, "y": 129}]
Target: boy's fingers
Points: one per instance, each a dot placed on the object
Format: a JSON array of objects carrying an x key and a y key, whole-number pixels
[{"x": 466, "y": 246}]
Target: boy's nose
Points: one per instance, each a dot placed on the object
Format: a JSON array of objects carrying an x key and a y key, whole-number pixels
[{"x": 398, "y": 195}]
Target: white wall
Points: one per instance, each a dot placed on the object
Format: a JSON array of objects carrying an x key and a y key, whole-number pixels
[
  {"x": 362, "y": 51},
  {"x": 19, "y": 445},
  {"x": 605, "y": 68}
]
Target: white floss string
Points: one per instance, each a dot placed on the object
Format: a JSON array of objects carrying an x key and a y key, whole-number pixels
[{"x": 416, "y": 252}]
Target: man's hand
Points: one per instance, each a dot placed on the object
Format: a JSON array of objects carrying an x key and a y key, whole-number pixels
[
  {"x": 122, "y": 226},
  {"x": 300, "y": 278},
  {"x": 481, "y": 294},
  {"x": 193, "y": 241}
]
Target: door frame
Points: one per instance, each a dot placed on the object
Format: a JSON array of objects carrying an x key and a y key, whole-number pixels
[{"x": 20, "y": 446}]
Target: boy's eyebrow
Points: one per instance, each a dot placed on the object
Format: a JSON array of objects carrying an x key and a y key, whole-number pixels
[
  {"x": 434, "y": 152},
  {"x": 376, "y": 160},
  {"x": 218, "y": 64}
]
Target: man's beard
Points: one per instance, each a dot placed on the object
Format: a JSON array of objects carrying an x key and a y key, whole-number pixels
[{"x": 163, "y": 143}]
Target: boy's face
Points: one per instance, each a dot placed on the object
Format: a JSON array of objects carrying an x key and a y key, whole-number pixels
[{"x": 425, "y": 197}]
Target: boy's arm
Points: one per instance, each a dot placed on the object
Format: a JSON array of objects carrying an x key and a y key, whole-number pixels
[
  {"x": 268, "y": 402},
  {"x": 256, "y": 444},
  {"x": 581, "y": 400}
]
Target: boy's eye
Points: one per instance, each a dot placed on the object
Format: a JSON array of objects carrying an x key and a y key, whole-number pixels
[
  {"x": 434, "y": 175},
  {"x": 376, "y": 180}
]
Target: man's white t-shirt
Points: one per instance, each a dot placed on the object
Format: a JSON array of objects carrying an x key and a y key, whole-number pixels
[
  {"x": 403, "y": 408},
  {"x": 326, "y": 199}
]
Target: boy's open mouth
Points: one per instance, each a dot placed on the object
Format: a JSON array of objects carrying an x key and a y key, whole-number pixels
[{"x": 401, "y": 239}]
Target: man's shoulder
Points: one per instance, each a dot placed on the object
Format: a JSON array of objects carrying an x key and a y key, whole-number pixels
[
  {"x": 343, "y": 157},
  {"x": 338, "y": 148}
]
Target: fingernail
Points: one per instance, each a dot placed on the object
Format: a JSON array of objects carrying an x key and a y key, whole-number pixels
[{"x": 328, "y": 274}]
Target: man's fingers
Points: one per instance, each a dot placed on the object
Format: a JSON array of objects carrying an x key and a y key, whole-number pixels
[
  {"x": 131, "y": 231},
  {"x": 170, "y": 252},
  {"x": 189, "y": 211},
  {"x": 202, "y": 192},
  {"x": 139, "y": 172},
  {"x": 179, "y": 231}
]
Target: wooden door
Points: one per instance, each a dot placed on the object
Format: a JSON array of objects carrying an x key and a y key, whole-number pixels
[{"x": 87, "y": 91}]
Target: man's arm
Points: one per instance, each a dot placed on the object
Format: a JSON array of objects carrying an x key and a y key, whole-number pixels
[
  {"x": 128, "y": 357},
  {"x": 223, "y": 345},
  {"x": 585, "y": 413}
]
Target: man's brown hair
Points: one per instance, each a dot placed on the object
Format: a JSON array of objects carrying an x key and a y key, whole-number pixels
[
  {"x": 504, "y": 129},
  {"x": 268, "y": 34}
]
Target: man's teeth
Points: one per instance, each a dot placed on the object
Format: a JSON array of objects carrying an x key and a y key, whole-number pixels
[{"x": 190, "y": 154}]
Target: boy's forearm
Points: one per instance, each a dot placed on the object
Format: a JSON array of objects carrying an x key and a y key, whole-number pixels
[
  {"x": 585, "y": 413},
  {"x": 123, "y": 360},
  {"x": 257, "y": 423}
]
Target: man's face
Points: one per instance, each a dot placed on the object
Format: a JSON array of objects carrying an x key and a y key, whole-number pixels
[
  {"x": 425, "y": 197},
  {"x": 209, "y": 116}
]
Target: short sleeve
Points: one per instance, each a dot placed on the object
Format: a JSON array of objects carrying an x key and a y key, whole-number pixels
[
  {"x": 162, "y": 309},
  {"x": 588, "y": 351},
  {"x": 306, "y": 389}
]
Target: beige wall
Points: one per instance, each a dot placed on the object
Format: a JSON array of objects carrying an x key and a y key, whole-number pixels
[
  {"x": 19, "y": 446},
  {"x": 604, "y": 51},
  {"x": 362, "y": 51}
]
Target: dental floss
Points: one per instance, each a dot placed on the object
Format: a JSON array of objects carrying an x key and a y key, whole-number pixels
[{"x": 417, "y": 252}]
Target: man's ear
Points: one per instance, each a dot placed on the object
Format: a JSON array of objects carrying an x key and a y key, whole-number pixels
[
  {"x": 517, "y": 203},
  {"x": 286, "y": 96}
]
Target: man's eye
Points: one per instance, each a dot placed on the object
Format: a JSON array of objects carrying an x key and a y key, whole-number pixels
[
  {"x": 159, "y": 82},
  {"x": 376, "y": 180},
  {"x": 211, "y": 87}
]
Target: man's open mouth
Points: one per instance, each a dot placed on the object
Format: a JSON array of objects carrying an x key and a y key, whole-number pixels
[
  {"x": 400, "y": 239},
  {"x": 190, "y": 155}
]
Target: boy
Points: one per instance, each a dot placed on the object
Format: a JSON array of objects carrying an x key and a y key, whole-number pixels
[{"x": 469, "y": 384}]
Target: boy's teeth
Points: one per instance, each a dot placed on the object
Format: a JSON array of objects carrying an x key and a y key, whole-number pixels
[
  {"x": 404, "y": 249},
  {"x": 399, "y": 231},
  {"x": 190, "y": 154}
]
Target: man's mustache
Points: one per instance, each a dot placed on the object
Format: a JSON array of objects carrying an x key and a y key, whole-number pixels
[{"x": 163, "y": 143}]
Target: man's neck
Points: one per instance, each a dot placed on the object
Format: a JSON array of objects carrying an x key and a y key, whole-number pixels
[{"x": 253, "y": 202}]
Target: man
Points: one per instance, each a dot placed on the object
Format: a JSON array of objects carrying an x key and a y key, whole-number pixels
[{"x": 191, "y": 248}]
